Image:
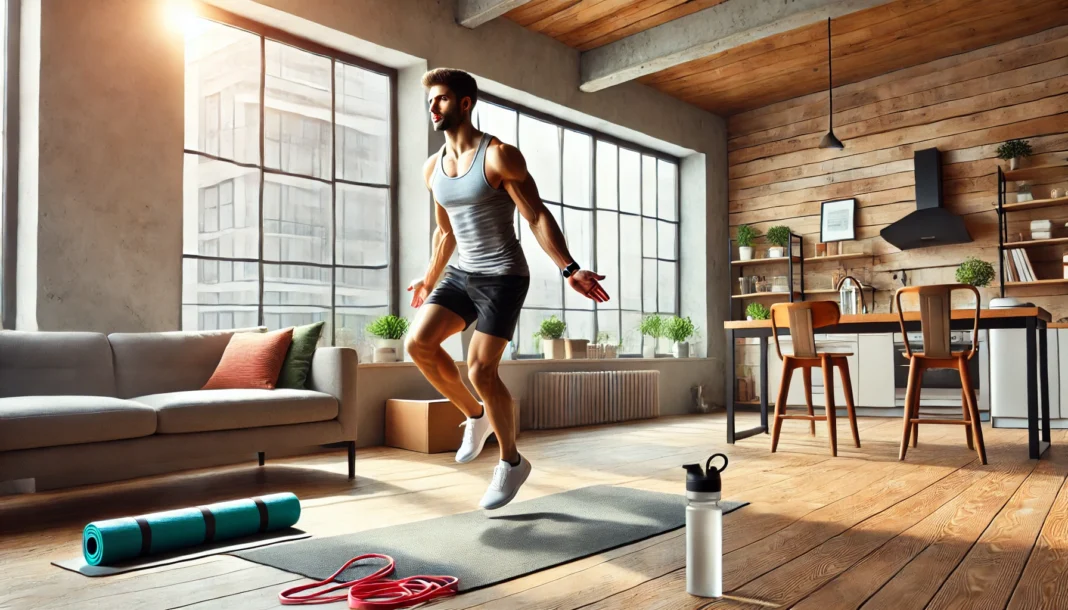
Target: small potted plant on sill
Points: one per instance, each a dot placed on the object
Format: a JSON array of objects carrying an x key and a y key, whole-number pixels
[
  {"x": 652, "y": 327},
  {"x": 779, "y": 237},
  {"x": 746, "y": 235},
  {"x": 975, "y": 272},
  {"x": 678, "y": 330},
  {"x": 551, "y": 333},
  {"x": 389, "y": 331},
  {"x": 1013, "y": 151},
  {"x": 757, "y": 311}
]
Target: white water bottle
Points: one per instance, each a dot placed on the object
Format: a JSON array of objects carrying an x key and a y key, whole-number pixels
[{"x": 704, "y": 529}]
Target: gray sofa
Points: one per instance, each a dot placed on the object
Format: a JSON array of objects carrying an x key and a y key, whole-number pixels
[{"x": 75, "y": 402}]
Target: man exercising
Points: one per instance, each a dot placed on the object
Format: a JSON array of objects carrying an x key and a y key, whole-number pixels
[{"x": 477, "y": 182}]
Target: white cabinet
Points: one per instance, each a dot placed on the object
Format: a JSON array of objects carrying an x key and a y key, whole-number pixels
[
  {"x": 1008, "y": 375},
  {"x": 875, "y": 381},
  {"x": 845, "y": 343}
]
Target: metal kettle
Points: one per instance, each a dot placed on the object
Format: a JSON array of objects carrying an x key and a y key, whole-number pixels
[{"x": 851, "y": 296}]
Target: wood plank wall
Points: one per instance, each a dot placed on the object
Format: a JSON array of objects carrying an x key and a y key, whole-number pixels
[{"x": 965, "y": 105}]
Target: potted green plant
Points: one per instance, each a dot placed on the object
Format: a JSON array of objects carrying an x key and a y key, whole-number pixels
[
  {"x": 551, "y": 333},
  {"x": 390, "y": 331},
  {"x": 746, "y": 235},
  {"x": 653, "y": 327},
  {"x": 779, "y": 237},
  {"x": 975, "y": 272},
  {"x": 1014, "y": 150},
  {"x": 678, "y": 330},
  {"x": 757, "y": 311}
]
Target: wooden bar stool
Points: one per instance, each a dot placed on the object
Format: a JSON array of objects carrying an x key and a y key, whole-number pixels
[
  {"x": 935, "y": 325},
  {"x": 803, "y": 319}
]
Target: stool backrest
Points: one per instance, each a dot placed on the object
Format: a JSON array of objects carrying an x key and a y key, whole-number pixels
[
  {"x": 803, "y": 319},
  {"x": 935, "y": 317}
]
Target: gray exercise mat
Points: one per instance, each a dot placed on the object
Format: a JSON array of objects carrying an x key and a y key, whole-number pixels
[
  {"x": 77, "y": 564},
  {"x": 483, "y": 548}
]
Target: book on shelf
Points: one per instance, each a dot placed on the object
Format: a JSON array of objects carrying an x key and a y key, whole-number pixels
[
  {"x": 1022, "y": 266},
  {"x": 1041, "y": 225},
  {"x": 1010, "y": 268}
]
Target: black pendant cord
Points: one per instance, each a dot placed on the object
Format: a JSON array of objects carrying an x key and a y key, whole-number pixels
[{"x": 830, "y": 80}]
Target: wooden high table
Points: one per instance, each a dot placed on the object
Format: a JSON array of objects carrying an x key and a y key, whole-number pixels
[{"x": 1034, "y": 320}]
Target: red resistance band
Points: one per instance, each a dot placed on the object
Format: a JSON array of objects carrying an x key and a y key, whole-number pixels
[{"x": 375, "y": 591}]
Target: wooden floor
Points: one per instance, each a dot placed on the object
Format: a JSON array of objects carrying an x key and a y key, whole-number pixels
[{"x": 860, "y": 530}]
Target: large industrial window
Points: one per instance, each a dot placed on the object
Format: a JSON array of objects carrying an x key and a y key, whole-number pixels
[
  {"x": 9, "y": 16},
  {"x": 617, "y": 204},
  {"x": 288, "y": 184}
]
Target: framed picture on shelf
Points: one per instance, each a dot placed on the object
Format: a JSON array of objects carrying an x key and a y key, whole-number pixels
[{"x": 837, "y": 220}]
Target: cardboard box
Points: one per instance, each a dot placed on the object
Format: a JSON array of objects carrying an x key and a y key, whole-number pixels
[{"x": 427, "y": 426}]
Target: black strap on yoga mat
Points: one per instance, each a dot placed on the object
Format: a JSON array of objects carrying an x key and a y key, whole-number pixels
[
  {"x": 209, "y": 524},
  {"x": 146, "y": 535},
  {"x": 262, "y": 507}
]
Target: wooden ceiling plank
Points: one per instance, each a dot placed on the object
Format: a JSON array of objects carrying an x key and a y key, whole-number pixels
[
  {"x": 631, "y": 15},
  {"x": 688, "y": 7},
  {"x": 536, "y": 10},
  {"x": 576, "y": 16}
]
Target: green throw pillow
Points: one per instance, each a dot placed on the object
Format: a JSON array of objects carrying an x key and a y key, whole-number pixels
[{"x": 297, "y": 364}]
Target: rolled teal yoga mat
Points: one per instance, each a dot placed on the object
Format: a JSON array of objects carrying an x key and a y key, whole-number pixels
[{"x": 116, "y": 540}]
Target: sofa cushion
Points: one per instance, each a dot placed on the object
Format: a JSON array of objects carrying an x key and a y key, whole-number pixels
[
  {"x": 298, "y": 360},
  {"x": 174, "y": 361},
  {"x": 251, "y": 362},
  {"x": 208, "y": 410},
  {"x": 28, "y": 422},
  {"x": 37, "y": 363}
]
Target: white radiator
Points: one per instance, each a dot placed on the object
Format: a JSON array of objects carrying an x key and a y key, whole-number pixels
[{"x": 561, "y": 400}]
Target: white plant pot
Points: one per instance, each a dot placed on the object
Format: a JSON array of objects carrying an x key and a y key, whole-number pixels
[
  {"x": 552, "y": 349},
  {"x": 745, "y": 253},
  {"x": 682, "y": 350},
  {"x": 649, "y": 349},
  {"x": 775, "y": 252},
  {"x": 1014, "y": 163},
  {"x": 389, "y": 350}
]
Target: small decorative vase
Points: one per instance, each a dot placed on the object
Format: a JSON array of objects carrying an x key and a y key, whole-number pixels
[
  {"x": 1055, "y": 194},
  {"x": 775, "y": 252},
  {"x": 682, "y": 350},
  {"x": 745, "y": 253},
  {"x": 649, "y": 349},
  {"x": 1014, "y": 163},
  {"x": 389, "y": 350},
  {"x": 553, "y": 349}
]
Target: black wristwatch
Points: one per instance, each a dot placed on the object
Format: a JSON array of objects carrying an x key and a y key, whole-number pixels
[{"x": 568, "y": 270}]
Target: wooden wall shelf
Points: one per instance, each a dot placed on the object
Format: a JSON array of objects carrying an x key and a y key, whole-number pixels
[
  {"x": 1052, "y": 282},
  {"x": 1034, "y": 173},
  {"x": 1034, "y": 205},
  {"x": 755, "y": 295},
  {"x": 841, "y": 257},
  {"x": 766, "y": 261},
  {"x": 1031, "y": 243}
]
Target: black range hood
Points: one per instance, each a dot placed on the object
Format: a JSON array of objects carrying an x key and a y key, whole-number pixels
[{"x": 931, "y": 224}]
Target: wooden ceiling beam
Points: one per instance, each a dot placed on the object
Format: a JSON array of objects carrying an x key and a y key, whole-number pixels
[{"x": 473, "y": 13}]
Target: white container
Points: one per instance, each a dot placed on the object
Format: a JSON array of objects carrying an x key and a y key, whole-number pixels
[
  {"x": 776, "y": 252},
  {"x": 389, "y": 350},
  {"x": 682, "y": 350},
  {"x": 745, "y": 253},
  {"x": 1041, "y": 225},
  {"x": 704, "y": 530},
  {"x": 649, "y": 348},
  {"x": 1065, "y": 261},
  {"x": 553, "y": 349}
]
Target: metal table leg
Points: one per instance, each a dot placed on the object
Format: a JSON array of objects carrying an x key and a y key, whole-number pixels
[
  {"x": 731, "y": 381},
  {"x": 1035, "y": 446},
  {"x": 1043, "y": 367}
]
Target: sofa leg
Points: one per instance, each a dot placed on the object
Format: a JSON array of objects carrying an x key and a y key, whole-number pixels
[
  {"x": 262, "y": 456},
  {"x": 352, "y": 459}
]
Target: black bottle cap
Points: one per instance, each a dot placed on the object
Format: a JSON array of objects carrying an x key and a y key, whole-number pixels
[{"x": 708, "y": 480}]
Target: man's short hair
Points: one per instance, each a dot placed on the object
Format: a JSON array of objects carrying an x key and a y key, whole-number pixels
[{"x": 459, "y": 82}]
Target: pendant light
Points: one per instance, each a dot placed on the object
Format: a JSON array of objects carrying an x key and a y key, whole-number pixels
[{"x": 829, "y": 140}]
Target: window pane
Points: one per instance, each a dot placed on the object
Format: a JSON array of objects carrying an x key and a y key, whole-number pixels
[
  {"x": 578, "y": 230},
  {"x": 665, "y": 242},
  {"x": 540, "y": 143},
  {"x": 577, "y": 170},
  {"x": 580, "y": 325},
  {"x": 667, "y": 189},
  {"x": 363, "y": 124},
  {"x": 205, "y": 179},
  {"x": 362, "y": 225},
  {"x": 299, "y": 226},
  {"x": 630, "y": 181},
  {"x": 649, "y": 286},
  {"x": 648, "y": 185},
  {"x": 631, "y": 261},
  {"x": 648, "y": 238},
  {"x": 222, "y": 92},
  {"x": 362, "y": 287},
  {"x": 607, "y": 185},
  {"x": 666, "y": 276},
  {"x": 298, "y": 102},
  {"x": 608, "y": 327},
  {"x": 295, "y": 295},
  {"x": 608, "y": 256},
  {"x": 352, "y": 329},
  {"x": 546, "y": 284},
  {"x": 496, "y": 121},
  {"x": 632, "y": 338},
  {"x": 529, "y": 323},
  {"x": 205, "y": 297}
]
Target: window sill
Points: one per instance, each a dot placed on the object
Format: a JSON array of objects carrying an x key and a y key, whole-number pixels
[{"x": 535, "y": 361}]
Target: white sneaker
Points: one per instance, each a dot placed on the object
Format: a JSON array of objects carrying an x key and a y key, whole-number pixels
[
  {"x": 507, "y": 480},
  {"x": 476, "y": 431}
]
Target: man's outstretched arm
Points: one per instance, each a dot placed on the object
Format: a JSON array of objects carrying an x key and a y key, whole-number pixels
[
  {"x": 511, "y": 165},
  {"x": 444, "y": 246}
]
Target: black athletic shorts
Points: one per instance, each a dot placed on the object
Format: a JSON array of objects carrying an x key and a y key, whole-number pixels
[{"x": 493, "y": 300}]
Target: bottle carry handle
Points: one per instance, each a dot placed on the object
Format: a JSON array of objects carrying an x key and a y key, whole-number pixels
[{"x": 708, "y": 464}]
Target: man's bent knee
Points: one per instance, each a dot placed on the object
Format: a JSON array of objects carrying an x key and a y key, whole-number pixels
[
  {"x": 420, "y": 347},
  {"x": 482, "y": 374}
]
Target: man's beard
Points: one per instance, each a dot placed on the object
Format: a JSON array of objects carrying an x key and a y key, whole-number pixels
[{"x": 448, "y": 121}]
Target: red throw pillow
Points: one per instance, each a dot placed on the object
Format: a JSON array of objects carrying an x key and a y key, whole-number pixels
[{"x": 251, "y": 361}]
